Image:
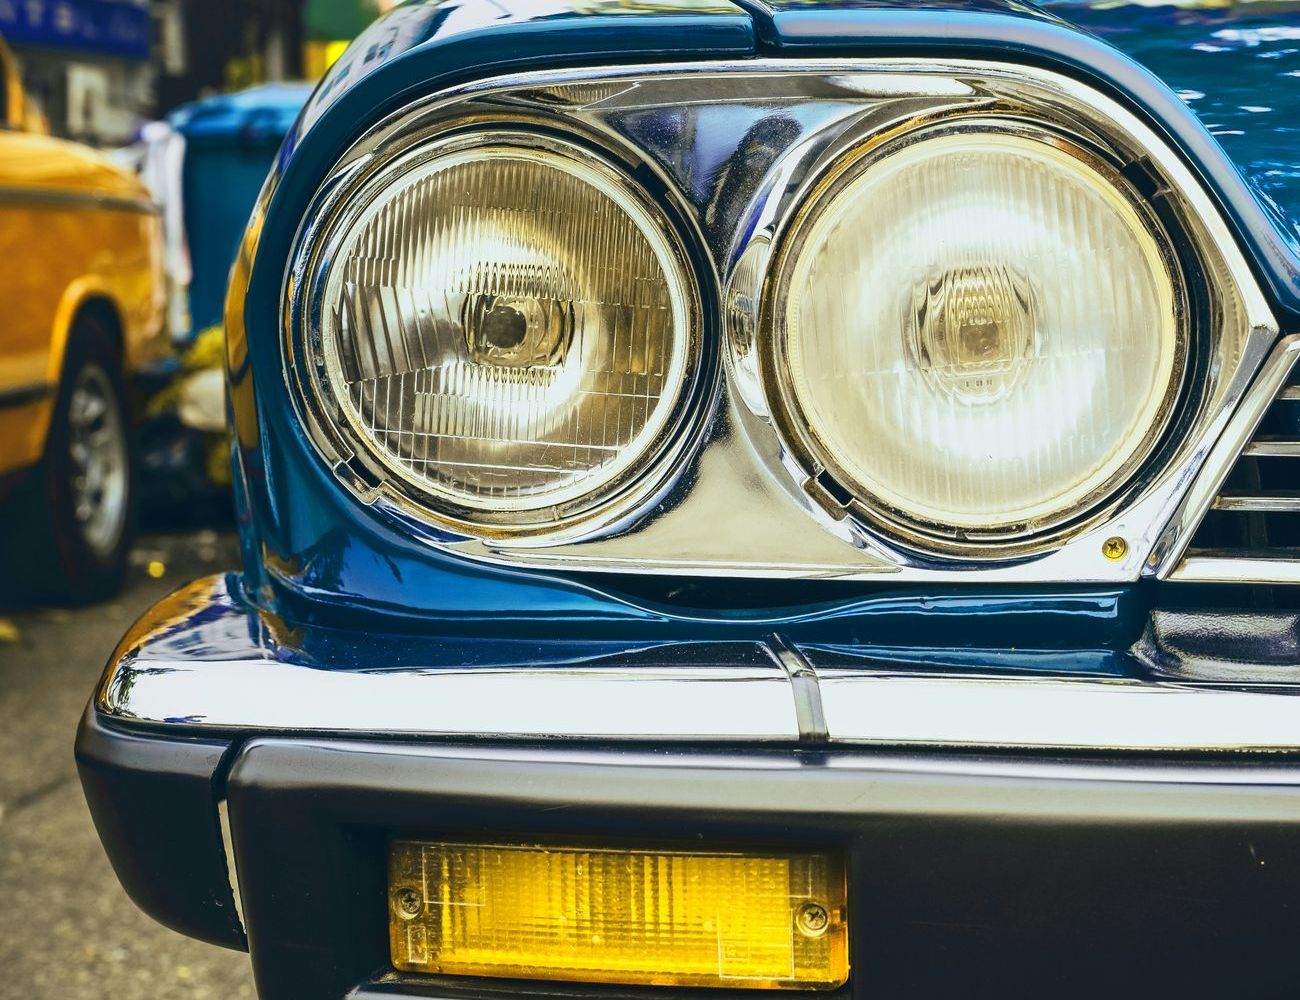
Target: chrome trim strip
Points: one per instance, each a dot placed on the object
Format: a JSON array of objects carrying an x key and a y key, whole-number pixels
[
  {"x": 61, "y": 198},
  {"x": 1055, "y": 713},
  {"x": 670, "y": 703},
  {"x": 232, "y": 868},
  {"x": 1259, "y": 503},
  {"x": 203, "y": 661},
  {"x": 1223, "y": 456},
  {"x": 940, "y": 786},
  {"x": 804, "y": 689},
  {"x": 1273, "y": 448},
  {"x": 706, "y": 706},
  {"x": 1236, "y": 566}
]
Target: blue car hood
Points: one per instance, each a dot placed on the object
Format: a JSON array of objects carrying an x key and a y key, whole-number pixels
[
  {"x": 1238, "y": 68},
  {"x": 1236, "y": 63}
]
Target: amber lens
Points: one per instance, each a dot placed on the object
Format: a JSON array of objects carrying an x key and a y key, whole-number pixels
[{"x": 753, "y": 920}]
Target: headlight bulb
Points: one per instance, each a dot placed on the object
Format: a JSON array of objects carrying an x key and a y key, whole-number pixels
[{"x": 971, "y": 330}]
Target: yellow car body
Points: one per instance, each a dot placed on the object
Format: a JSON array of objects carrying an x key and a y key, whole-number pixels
[{"x": 77, "y": 233}]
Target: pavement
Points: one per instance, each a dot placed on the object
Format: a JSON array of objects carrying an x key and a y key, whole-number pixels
[{"x": 66, "y": 927}]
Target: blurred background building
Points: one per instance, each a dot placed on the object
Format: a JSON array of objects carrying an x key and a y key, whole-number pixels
[
  {"x": 101, "y": 68},
  {"x": 86, "y": 62}
]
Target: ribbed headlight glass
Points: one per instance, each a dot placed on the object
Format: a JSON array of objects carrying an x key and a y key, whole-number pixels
[
  {"x": 978, "y": 332},
  {"x": 508, "y": 327}
]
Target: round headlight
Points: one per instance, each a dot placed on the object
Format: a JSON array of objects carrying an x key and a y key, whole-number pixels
[
  {"x": 978, "y": 333},
  {"x": 509, "y": 327}
]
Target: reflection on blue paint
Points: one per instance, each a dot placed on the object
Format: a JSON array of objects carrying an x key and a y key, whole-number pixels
[{"x": 1237, "y": 69}]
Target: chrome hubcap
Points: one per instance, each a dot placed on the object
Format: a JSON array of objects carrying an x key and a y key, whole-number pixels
[{"x": 97, "y": 448}]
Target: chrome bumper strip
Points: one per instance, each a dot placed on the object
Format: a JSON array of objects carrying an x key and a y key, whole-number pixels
[
  {"x": 670, "y": 703},
  {"x": 1056, "y": 713},
  {"x": 201, "y": 660}
]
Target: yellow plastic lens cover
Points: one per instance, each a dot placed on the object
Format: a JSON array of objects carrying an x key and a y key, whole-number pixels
[{"x": 599, "y": 914}]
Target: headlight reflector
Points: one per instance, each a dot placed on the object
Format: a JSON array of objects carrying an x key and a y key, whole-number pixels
[
  {"x": 508, "y": 327},
  {"x": 978, "y": 332}
]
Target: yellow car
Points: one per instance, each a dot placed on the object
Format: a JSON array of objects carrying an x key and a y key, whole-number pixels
[{"x": 82, "y": 294}]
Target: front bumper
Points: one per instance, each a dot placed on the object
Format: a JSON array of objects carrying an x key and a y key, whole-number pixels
[{"x": 1003, "y": 834}]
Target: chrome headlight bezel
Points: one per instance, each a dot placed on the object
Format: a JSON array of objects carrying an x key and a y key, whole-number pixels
[
  {"x": 372, "y": 474},
  {"x": 731, "y": 495},
  {"x": 827, "y": 477}
]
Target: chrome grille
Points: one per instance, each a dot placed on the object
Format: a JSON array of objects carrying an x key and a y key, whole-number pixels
[{"x": 1251, "y": 533}]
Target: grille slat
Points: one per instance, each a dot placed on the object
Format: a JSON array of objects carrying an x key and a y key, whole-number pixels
[
  {"x": 1252, "y": 531},
  {"x": 1273, "y": 447},
  {"x": 1273, "y": 503}
]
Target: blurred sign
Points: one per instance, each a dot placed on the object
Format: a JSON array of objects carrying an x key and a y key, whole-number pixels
[{"x": 105, "y": 27}]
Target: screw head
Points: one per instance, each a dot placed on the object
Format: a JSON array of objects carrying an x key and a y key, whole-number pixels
[
  {"x": 408, "y": 903},
  {"x": 1114, "y": 548},
  {"x": 812, "y": 919}
]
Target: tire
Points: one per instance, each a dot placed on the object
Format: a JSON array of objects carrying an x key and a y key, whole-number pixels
[{"x": 71, "y": 521}]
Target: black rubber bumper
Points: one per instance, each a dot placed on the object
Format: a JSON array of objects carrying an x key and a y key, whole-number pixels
[
  {"x": 988, "y": 875},
  {"x": 154, "y": 800}
]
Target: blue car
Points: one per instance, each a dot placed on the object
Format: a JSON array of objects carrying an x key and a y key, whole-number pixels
[{"x": 749, "y": 495}]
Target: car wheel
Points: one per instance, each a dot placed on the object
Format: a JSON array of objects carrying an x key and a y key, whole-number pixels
[{"x": 75, "y": 515}]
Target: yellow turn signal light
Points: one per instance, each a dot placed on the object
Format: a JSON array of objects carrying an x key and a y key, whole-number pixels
[{"x": 761, "y": 920}]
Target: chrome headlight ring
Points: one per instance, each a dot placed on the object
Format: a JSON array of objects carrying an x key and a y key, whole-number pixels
[
  {"x": 504, "y": 333},
  {"x": 983, "y": 379}
]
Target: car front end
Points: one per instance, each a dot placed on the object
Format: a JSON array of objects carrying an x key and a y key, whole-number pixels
[{"x": 771, "y": 496}]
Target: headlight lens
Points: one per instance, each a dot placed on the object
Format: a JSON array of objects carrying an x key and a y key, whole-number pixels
[
  {"x": 978, "y": 332},
  {"x": 509, "y": 327}
]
